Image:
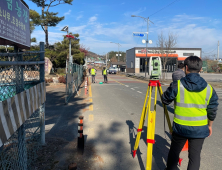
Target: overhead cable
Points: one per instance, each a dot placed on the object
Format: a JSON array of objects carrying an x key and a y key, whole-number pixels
[{"x": 164, "y": 7}]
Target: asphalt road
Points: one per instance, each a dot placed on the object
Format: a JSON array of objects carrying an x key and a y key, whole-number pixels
[{"x": 112, "y": 121}]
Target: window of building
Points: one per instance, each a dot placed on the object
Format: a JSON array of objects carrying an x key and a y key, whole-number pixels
[
  {"x": 188, "y": 54},
  {"x": 131, "y": 64}
]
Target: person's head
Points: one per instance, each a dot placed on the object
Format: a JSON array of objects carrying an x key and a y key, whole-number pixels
[
  {"x": 192, "y": 64},
  {"x": 104, "y": 68},
  {"x": 181, "y": 66}
]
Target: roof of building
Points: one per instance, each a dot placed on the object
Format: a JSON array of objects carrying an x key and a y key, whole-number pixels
[
  {"x": 157, "y": 48},
  {"x": 118, "y": 63}
]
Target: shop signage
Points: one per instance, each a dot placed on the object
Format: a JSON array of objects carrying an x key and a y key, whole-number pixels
[
  {"x": 14, "y": 23},
  {"x": 157, "y": 51}
]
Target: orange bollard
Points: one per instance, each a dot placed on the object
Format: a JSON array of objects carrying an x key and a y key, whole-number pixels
[{"x": 80, "y": 144}]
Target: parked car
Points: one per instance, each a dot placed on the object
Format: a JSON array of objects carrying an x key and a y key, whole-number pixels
[{"x": 112, "y": 70}]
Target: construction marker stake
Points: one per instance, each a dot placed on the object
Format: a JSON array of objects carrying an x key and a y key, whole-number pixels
[{"x": 85, "y": 87}]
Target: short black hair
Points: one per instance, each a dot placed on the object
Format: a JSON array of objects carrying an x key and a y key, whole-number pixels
[
  {"x": 181, "y": 65},
  {"x": 193, "y": 63}
]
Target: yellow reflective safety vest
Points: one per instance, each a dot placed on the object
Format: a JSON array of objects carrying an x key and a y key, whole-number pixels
[
  {"x": 104, "y": 72},
  {"x": 93, "y": 72},
  {"x": 190, "y": 108}
]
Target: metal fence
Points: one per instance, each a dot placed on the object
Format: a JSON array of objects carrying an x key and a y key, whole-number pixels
[
  {"x": 74, "y": 78},
  {"x": 20, "y": 71}
]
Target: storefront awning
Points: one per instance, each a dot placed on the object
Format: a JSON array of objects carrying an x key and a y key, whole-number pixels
[{"x": 160, "y": 55}]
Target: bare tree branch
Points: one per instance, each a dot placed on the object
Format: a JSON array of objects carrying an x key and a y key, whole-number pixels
[{"x": 165, "y": 45}]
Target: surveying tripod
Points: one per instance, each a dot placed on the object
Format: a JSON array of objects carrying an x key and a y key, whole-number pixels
[{"x": 151, "y": 121}]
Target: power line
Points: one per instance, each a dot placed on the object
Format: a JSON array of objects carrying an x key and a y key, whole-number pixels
[
  {"x": 164, "y": 7},
  {"x": 210, "y": 51}
]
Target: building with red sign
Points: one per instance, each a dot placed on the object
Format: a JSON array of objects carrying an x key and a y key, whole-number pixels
[{"x": 135, "y": 57}]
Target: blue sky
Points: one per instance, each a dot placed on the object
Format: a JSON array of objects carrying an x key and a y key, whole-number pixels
[{"x": 197, "y": 23}]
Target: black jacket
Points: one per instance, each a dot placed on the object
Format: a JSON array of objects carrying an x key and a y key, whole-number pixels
[
  {"x": 192, "y": 82},
  {"x": 178, "y": 74}
]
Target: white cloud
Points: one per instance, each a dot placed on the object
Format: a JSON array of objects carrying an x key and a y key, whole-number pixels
[
  {"x": 92, "y": 19},
  {"x": 68, "y": 13},
  {"x": 53, "y": 36},
  {"x": 78, "y": 29},
  {"x": 127, "y": 14},
  {"x": 192, "y": 31},
  {"x": 79, "y": 17}
]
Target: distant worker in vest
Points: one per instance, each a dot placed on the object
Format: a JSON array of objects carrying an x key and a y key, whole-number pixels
[
  {"x": 104, "y": 73},
  {"x": 93, "y": 74},
  {"x": 179, "y": 73},
  {"x": 195, "y": 109}
]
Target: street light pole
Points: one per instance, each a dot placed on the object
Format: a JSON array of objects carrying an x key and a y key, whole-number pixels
[
  {"x": 118, "y": 48},
  {"x": 106, "y": 60},
  {"x": 66, "y": 28},
  {"x": 147, "y": 45},
  {"x": 118, "y": 53},
  {"x": 147, "y": 20}
]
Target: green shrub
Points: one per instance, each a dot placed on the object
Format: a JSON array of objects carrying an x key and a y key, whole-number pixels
[{"x": 61, "y": 71}]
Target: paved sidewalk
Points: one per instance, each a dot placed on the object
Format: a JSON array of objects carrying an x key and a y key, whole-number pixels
[{"x": 61, "y": 125}]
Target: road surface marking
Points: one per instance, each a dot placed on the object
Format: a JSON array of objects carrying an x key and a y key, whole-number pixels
[
  {"x": 117, "y": 81},
  {"x": 132, "y": 88},
  {"x": 91, "y": 118},
  {"x": 151, "y": 97},
  {"x": 126, "y": 85},
  {"x": 139, "y": 91},
  {"x": 91, "y": 105},
  {"x": 91, "y": 132}
]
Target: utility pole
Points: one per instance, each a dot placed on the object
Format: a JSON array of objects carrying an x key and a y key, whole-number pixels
[
  {"x": 106, "y": 60},
  {"x": 218, "y": 50},
  {"x": 147, "y": 20},
  {"x": 146, "y": 45},
  {"x": 118, "y": 53}
]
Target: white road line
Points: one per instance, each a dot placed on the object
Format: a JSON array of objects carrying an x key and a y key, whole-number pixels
[
  {"x": 132, "y": 88},
  {"x": 139, "y": 91},
  {"x": 151, "y": 97},
  {"x": 126, "y": 85}
]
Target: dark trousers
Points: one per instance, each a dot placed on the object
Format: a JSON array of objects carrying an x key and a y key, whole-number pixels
[
  {"x": 93, "y": 78},
  {"x": 194, "y": 150},
  {"x": 105, "y": 78}
]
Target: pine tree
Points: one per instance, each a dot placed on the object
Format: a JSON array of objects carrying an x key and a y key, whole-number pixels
[
  {"x": 62, "y": 51},
  {"x": 49, "y": 19},
  {"x": 34, "y": 20}
]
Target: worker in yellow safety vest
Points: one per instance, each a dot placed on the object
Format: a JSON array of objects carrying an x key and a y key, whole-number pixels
[
  {"x": 195, "y": 108},
  {"x": 93, "y": 74},
  {"x": 104, "y": 73}
]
